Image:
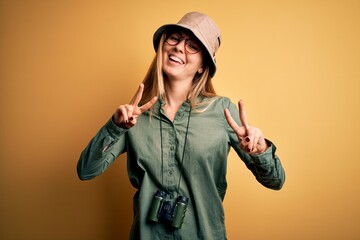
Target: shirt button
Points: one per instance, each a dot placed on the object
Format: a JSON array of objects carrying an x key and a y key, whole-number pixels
[
  {"x": 172, "y": 148},
  {"x": 171, "y": 172}
]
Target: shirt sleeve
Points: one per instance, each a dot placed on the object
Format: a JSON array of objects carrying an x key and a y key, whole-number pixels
[
  {"x": 266, "y": 167},
  {"x": 101, "y": 151}
]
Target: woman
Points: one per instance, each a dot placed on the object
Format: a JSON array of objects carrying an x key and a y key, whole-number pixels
[{"x": 177, "y": 134}]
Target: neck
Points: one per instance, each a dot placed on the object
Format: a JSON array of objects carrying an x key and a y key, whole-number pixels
[{"x": 177, "y": 92}]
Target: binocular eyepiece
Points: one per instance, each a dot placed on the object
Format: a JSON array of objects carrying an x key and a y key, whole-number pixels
[{"x": 164, "y": 210}]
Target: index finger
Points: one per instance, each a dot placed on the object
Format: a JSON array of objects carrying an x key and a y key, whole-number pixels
[
  {"x": 148, "y": 105},
  {"x": 232, "y": 122},
  {"x": 138, "y": 95},
  {"x": 242, "y": 115}
]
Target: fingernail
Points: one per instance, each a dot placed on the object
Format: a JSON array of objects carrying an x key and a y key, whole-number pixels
[
  {"x": 131, "y": 118},
  {"x": 247, "y": 139}
]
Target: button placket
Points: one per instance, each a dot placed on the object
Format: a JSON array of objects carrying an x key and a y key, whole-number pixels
[{"x": 170, "y": 173}]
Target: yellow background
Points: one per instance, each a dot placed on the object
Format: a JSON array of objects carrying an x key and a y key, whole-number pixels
[{"x": 66, "y": 65}]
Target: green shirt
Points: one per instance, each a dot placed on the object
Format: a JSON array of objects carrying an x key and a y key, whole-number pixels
[{"x": 155, "y": 153}]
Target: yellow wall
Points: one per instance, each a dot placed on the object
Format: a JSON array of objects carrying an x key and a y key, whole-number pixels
[{"x": 66, "y": 65}]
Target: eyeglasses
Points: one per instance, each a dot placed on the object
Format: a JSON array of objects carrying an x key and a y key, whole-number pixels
[{"x": 191, "y": 46}]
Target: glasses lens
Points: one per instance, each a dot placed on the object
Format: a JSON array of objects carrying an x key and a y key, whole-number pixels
[
  {"x": 191, "y": 46},
  {"x": 173, "y": 39}
]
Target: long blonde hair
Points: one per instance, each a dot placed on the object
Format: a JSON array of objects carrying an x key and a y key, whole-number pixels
[{"x": 154, "y": 81}]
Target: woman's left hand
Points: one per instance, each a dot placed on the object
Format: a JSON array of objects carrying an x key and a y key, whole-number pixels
[{"x": 251, "y": 138}]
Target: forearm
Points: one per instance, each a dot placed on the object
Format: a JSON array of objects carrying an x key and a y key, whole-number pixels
[
  {"x": 101, "y": 151},
  {"x": 267, "y": 168}
]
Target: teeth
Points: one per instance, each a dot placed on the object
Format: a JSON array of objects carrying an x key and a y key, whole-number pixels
[{"x": 176, "y": 59}]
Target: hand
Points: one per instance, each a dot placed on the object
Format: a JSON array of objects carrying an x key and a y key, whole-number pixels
[
  {"x": 126, "y": 115},
  {"x": 251, "y": 138}
]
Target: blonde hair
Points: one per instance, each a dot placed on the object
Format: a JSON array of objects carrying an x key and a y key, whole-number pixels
[{"x": 154, "y": 82}]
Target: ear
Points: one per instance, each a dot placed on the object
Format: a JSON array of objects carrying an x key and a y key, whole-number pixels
[{"x": 201, "y": 70}]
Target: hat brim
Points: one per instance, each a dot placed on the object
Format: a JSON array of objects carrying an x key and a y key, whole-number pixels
[{"x": 161, "y": 30}]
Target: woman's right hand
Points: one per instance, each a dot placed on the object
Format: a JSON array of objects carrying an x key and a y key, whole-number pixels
[{"x": 126, "y": 115}]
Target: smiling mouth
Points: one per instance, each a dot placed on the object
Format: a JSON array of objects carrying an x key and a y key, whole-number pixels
[{"x": 176, "y": 59}]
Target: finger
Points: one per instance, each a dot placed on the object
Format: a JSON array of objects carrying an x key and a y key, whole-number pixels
[
  {"x": 132, "y": 121},
  {"x": 244, "y": 144},
  {"x": 124, "y": 114},
  {"x": 257, "y": 142},
  {"x": 250, "y": 138},
  {"x": 242, "y": 115},
  {"x": 138, "y": 95},
  {"x": 129, "y": 111},
  {"x": 262, "y": 145},
  {"x": 148, "y": 105},
  {"x": 259, "y": 138},
  {"x": 233, "y": 124}
]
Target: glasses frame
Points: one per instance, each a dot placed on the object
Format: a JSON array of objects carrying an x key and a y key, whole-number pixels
[{"x": 181, "y": 38}]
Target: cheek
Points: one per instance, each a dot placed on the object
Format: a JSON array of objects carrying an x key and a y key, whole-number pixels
[
  {"x": 166, "y": 47},
  {"x": 163, "y": 48},
  {"x": 164, "y": 55},
  {"x": 197, "y": 61}
]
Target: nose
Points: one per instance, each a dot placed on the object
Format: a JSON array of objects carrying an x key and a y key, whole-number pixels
[{"x": 180, "y": 46}]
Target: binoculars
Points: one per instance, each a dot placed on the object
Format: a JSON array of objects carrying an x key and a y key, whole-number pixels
[{"x": 167, "y": 211}]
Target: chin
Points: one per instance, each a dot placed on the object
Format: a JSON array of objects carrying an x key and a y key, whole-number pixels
[{"x": 172, "y": 73}]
